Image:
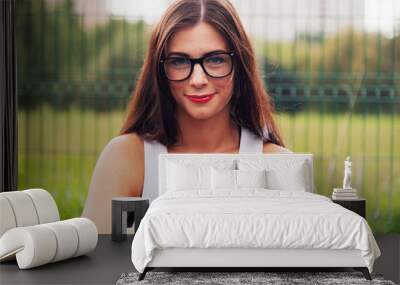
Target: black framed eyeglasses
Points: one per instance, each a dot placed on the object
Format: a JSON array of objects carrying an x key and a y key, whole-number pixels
[{"x": 215, "y": 65}]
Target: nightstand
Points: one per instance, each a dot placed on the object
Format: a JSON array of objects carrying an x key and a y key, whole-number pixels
[
  {"x": 357, "y": 205},
  {"x": 121, "y": 206}
]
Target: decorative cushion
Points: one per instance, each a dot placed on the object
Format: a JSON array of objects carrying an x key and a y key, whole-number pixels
[
  {"x": 67, "y": 239},
  {"x": 293, "y": 171},
  {"x": 223, "y": 179},
  {"x": 23, "y": 208},
  {"x": 6, "y": 215},
  {"x": 27, "y": 208},
  {"x": 87, "y": 233},
  {"x": 190, "y": 174},
  {"x": 40, "y": 244},
  {"x": 182, "y": 177},
  {"x": 31, "y": 232},
  {"x": 293, "y": 180},
  {"x": 45, "y": 206},
  {"x": 236, "y": 179},
  {"x": 284, "y": 174},
  {"x": 251, "y": 178}
]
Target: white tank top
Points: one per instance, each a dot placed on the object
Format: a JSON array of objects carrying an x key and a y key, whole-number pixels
[{"x": 249, "y": 143}]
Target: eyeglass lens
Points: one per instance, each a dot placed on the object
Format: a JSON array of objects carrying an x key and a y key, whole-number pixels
[{"x": 179, "y": 68}]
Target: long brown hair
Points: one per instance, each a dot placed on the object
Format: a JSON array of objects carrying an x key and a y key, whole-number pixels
[{"x": 151, "y": 110}]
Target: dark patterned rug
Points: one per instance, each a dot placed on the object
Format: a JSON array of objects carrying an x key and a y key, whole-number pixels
[{"x": 229, "y": 278}]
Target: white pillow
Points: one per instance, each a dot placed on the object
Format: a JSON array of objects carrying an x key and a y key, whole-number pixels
[
  {"x": 223, "y": 179},
  {"x": 281, "y": 174},
  {"x": 251, "y": 178},
  {"x": 236, "y": 179},
  {"x": 293, "y": 180},
  {"x": 182, "y": 177}
]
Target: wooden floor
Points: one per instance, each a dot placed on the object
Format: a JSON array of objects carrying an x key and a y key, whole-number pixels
[{"x": 389, "y": 262}]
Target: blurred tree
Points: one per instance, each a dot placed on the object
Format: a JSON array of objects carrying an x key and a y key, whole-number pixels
[{"x": 60, "y": 62}]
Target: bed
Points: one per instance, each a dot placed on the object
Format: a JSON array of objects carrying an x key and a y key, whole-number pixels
[{"x": 247, "y": 210}]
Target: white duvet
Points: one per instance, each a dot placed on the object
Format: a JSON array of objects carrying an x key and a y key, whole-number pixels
[{"x": 251, "y": 218}]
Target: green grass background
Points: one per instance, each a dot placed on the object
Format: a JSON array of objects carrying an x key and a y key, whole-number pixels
[{"x": 59, "y": 149}]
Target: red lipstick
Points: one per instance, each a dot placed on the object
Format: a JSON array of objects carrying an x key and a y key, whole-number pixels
[{"x": 200, "y": 98}]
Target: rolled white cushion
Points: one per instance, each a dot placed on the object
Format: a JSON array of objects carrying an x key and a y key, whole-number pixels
[
  {"x": 87, "y": 234},
  {"x": 23, "y": 208},
  {"x": 40, "y": 244},
  {"x": 33, "y": 246},
  {"x": 45, "y": 205},
  {"x": 7, "y": 218},
  {"x": 67, "y": 239}
]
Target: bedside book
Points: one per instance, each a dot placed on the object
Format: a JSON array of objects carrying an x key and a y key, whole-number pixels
[
  {"x": 340, "y": 190},
  {"x": 344, "y": 194},
  {"x": 334, "y": 197}
]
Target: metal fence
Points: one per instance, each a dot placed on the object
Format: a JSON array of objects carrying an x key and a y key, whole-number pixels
[{"x": 333, "y": 74}]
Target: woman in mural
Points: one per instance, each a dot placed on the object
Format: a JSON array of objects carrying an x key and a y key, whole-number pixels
[{"x": 199, "y": 91}]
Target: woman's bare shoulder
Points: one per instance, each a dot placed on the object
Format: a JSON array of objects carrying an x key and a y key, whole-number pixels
[
  {"x": 122, "y": 163},
  {"x": 119, "y": 172},
  {"x": 127, "y": 144},
  {"x": 274, "y": 148}
]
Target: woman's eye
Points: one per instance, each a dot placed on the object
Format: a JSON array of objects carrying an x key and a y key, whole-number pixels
[
  {"x": 178, "y": 62},
  {"x": 215, "y": 59}
]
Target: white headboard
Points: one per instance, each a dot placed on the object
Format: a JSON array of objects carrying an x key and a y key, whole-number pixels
[{"x": 215, "y": 158}]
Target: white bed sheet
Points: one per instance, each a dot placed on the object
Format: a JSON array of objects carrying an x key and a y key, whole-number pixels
[{"x": 250, "y": 218}]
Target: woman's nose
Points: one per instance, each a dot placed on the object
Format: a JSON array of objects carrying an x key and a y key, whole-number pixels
[{"x": 198, "y": 77}]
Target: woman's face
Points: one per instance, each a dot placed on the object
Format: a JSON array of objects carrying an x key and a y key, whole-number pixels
[{"x": 190, "y": 94}]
